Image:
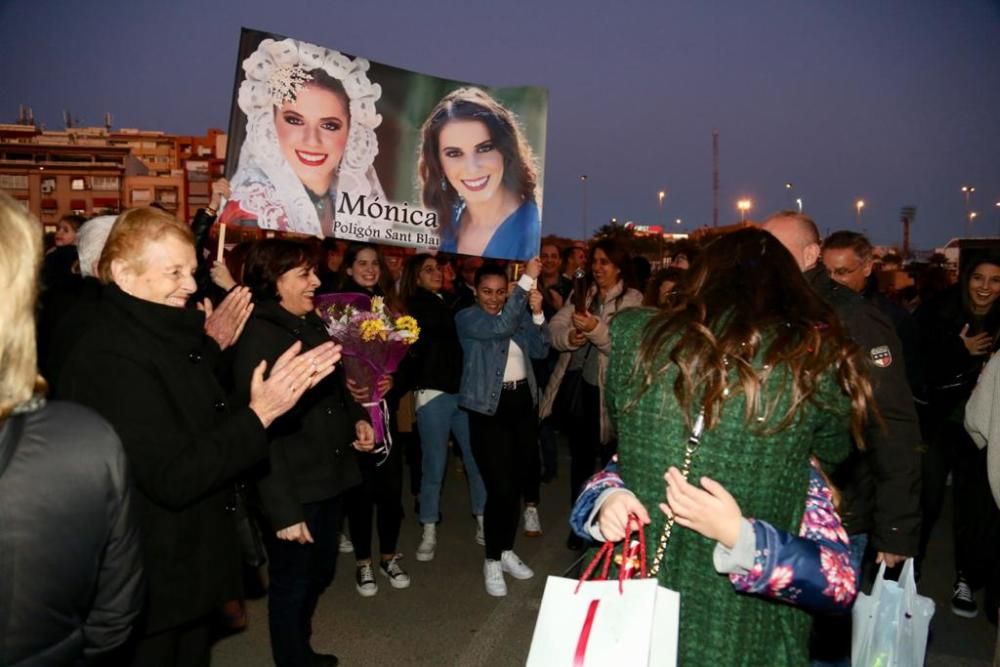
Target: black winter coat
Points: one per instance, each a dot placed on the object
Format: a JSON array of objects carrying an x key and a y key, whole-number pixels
[
  {"x": 951, "y": 371},
  {"x": 435, "y": 360},
  {"x": 880, "y": 487},
  {"x": 311, "y": 457},
  {"x": 70, "y": 566},
  {"x": 148, "y": 369}
]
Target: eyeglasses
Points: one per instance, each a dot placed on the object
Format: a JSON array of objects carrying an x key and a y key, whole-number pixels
[{"x": 843, "y": 271}]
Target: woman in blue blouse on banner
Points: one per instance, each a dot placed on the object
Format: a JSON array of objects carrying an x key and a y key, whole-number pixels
[{"x": 478, "y": 172}]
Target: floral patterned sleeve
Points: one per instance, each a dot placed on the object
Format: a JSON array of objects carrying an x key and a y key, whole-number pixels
[
  {"x": 812, "y": 570},
  {"x": 583, "y": 509}
]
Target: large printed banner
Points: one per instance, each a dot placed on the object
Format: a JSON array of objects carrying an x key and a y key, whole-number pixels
[{"x": 329, "y": 144}]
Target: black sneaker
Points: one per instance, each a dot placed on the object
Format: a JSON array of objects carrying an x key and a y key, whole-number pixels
[
  {"x": 575, "y": 543},
  {"x": 322, "y": 659},
  {"x": 397, "y": 575},
  {"x": 963, "y": 603},
  {"x": 364, "y": 580}
]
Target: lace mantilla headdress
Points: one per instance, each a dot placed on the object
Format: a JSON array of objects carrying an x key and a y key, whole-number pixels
[{"x": 264, "y": 182}]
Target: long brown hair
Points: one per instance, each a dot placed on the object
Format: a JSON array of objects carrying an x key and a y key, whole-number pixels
[
  {"x": 745, "y": 301},
  {"x": 385, "y": 283},
  {"x": 411, "y": 270},
  {"x": 520, "y": 173}
]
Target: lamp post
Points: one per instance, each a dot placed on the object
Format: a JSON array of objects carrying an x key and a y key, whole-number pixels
[
  {"x": 583, "y": 184},
  {"x": 798, "y": 202},
  {"x": 661, "y": 195},
  {"x": 858, "y": 205},
  {"x": 968, "y": 229},
  {"x": 967, "y": 191},
  {"x": 744, "y": 205},
  {"x": 998, "y": 218}
]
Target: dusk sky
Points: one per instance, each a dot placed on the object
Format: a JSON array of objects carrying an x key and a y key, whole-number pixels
[{"x": 893, "y": 102}]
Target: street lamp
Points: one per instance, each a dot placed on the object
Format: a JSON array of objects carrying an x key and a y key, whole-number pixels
[
  {"x": 860, "y": 204},
  {"x": 744, "y": 205},
  {"x": 798, "y": 202},
  {"x": 972, "y": 216},
  {"x": 583, "y": 184},
  {"x": 967, "y": 191},
  {"x": 678, "y": 220},
  {"x": 661, "y": 195}
]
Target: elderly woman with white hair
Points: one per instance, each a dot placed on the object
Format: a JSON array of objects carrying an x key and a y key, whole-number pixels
[
  {"x": 146, "y": 365},
  {"x": 70, "y": 575}
]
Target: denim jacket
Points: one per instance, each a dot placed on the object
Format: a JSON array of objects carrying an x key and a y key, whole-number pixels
[{"x": 485, "y": 340}]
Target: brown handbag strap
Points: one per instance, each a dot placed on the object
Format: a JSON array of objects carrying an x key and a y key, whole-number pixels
[{"x": 689, "y": 449}]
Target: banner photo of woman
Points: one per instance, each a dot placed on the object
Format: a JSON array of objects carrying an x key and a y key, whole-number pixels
[{"x": 328, "y": 144}]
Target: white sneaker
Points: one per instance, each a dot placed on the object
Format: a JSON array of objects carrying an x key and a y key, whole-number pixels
[
  {"x": 345, "y": 545},
  {"x": 532, "y": 524},
  {"x": 428, "y": 541},
  {"x": 480, "y": 531},
  {"x": 493, "y": 574},
  {"x": 514, "y": 566}
]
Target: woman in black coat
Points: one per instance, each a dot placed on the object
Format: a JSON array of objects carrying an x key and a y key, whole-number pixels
[
  {"x": 433, "y": 369},
  {"x": 312, "y": 460},
  {"x": 382, "y": 474},
  {"x": 959, "y": 331},
  {"x": 146, "y": 365}
]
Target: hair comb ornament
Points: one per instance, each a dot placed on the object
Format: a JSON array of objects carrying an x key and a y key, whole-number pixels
[{"x": 285, "y": 83}]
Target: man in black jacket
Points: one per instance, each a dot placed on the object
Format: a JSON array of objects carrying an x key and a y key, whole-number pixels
[{"x": 880, "y": 486}]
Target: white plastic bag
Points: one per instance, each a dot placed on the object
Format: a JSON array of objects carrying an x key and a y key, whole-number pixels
[{"x": 890, "y": 625}]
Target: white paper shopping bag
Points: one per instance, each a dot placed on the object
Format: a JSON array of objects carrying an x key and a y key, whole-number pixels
[{"x": 598, "y": 623}]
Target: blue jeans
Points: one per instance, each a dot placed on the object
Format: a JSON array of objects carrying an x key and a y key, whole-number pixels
[
  {"x": 836, "y": 630},
  {"x": 434, "y": 421}
]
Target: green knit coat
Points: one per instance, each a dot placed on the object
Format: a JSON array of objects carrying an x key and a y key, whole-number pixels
[{"x": 767, "y": 475}]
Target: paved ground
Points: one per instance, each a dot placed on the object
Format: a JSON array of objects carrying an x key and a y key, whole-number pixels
[{"x": 446, "y": 618}]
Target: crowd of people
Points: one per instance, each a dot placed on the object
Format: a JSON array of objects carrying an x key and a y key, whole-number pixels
[{"x": 777, "y": 417}]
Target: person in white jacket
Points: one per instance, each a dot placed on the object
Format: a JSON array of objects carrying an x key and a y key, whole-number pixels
[{"x": 982, "y": 421}]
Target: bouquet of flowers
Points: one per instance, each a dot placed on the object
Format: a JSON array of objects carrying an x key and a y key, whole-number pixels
[{"x": 374, "y": 342}]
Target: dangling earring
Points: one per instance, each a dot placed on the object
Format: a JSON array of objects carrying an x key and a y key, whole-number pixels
[{"x": 444, "y": 185}]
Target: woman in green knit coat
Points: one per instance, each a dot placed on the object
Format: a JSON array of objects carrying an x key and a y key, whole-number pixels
[{"x": 765, "y": 360}]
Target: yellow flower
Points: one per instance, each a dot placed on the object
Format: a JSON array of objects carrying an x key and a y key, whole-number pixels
[
  {"x": 408, "y": 326},
  {"x": 378, "y": 303},
  {"x": 372, "y": 329}
]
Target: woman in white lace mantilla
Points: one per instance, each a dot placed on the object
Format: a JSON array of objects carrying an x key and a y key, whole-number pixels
[{"x": 310, "y": 134}]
